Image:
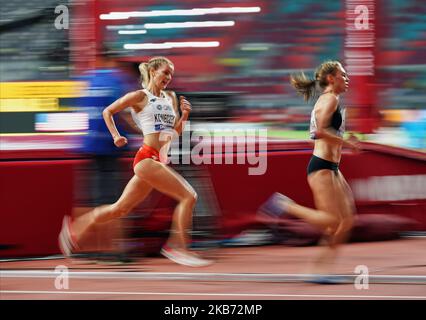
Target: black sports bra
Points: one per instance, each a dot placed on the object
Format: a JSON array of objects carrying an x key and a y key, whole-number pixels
[
  {"x": 337, "y": 122},
  {"x": 337, "y": 119}
]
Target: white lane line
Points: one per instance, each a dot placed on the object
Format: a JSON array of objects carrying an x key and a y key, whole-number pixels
[
  {"x": 256, "y": 295},
  {"x": 200, "y": 276}
]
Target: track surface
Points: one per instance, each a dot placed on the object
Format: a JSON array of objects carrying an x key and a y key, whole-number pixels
[{"x": 397, "y": 270}]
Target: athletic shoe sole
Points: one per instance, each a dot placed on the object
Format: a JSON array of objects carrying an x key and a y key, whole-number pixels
[
  {"x": 183, "y": 259},
  {"x": 275, "y": 206},
  {"x": 66, "y": 244}
]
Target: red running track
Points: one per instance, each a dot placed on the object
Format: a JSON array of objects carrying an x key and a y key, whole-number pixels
[{"x": 395, "y": 259}]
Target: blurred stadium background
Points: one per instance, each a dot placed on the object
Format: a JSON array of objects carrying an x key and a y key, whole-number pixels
[
  {"x": 232, "y": 60},
  {"x": 246, "y": 62}
]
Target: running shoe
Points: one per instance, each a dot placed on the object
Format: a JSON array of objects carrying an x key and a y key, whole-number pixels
[
  {"x": 67, "y": 244},
  {"x": 184, "y": 259},
  {"x": 276, "y": 206},
  {"x": 326, "y": 279}
]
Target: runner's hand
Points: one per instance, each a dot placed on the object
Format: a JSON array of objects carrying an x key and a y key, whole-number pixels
[
  {"x": 353, "y": 143},
  {"x": 185, "y": 106},
  {"x": 120, "y": 141}
]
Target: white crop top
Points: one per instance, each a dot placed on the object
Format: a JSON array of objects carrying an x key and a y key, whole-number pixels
[{"x": 158, "y": 114}]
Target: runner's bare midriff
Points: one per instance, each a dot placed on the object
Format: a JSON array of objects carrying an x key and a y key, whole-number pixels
[
  {"x": 327, "y": 150},
  {"x": 153, "y": 140}
]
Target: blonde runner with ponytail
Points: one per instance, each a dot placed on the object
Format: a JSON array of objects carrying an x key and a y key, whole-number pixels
[{"x": 153, "y": 64}]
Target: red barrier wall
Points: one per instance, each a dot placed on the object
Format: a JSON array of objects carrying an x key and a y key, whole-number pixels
[
  {"x": 239, "y": 194},
  {"x": 35, "y": 195}
]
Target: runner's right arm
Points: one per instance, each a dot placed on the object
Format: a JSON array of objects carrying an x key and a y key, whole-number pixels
[{"x": 118, "y": 105}]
